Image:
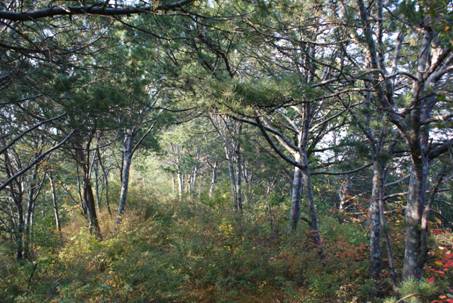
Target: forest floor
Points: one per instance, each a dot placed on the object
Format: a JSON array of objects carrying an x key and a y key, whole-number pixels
[{"x": 194, "y": 252}]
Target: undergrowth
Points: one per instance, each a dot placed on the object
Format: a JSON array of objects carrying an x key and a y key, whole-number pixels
[{"x": 193, "y": 252}]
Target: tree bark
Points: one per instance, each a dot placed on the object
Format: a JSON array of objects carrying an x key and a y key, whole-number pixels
[
  {"x": 180, "y": 184},
  {"x": 19, "y": 235},
  {"x": 426, "y": 214},
  {"x": 413, "y": 263},
  {"x": 213, "y": 179},
  {"x": 375, "y": 220},
  {"x": 238, "y": 185},
  {"x": 269, "y": 207},
  {"x": 388, "y": 242},
  {"x": 179, "y": 173},
  {"x": 88, "y": 202},
  {"x": 91, "y": 207},
  {"x": 101, "y": 10},
  {"x": 17, "y": 216},
  {"x": 30, "y": 211},
  {"x": 96, "y": 184},
  {"x": 296, "y": 193},
  {"x": 125, "y": 170},
  {"x": 105, "y": 174},
  {"x": 56, "y": 211},
  {"x": 313, "y": 224},
  {"x": 232, "y": 175}
]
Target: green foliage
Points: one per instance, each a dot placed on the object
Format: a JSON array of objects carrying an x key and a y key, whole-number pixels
[
  {"x": 217, "y": 57},
  {"x": 189, "y": 252},
  {"x": 352, "y": 233},
  {"x": 416, "y": 291}
]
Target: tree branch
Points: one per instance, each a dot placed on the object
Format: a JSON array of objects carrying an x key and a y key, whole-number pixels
[
  {"x": 342, "y": 172},
  {"x": 29, "y": 130},
  {"x": 96, "y": 9},
  {"x": 35, "y": 161}
]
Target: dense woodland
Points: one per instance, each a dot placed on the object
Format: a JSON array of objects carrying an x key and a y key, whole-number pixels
[{"x": 226, "y": 151}]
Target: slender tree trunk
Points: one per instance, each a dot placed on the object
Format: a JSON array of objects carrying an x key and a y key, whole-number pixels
[
  {"x": 80, "y": 191},
  {"x": 314, "y": 225},
  {"x": 344, "y": 195},
  {"x": 20, "y": 236},
  {"x": 56, "y": 211},
  {"x": 91, "y": 207},
  {"x": 296, "y": 194},
  {"x": 194, "y": 174},
  {"x": 30, "y": 210},
  {"x": 107, "y": 194},
  {"x": 125, "y": 170},
  {"x": 426, "y": 214},
  {"x": 105, "y": 174},
  {"x": 388, "y": 241},
  {"x": 88, "y": 202},
  {"x": 375, "y": 220},
  {"x": 238, "y": 185},
  {"x": 179, "y": 173},
  {"x": 269, "y": 207},
  {"x": 180, "y": 184},
  {"x": 28, "y": 226},
  {"x": 96, "y": 184},
  {"x": 248, "y": 178},
  {"x": 19, "y": 226},
  {"x": 189, "y": 183},
  {"x": 232, "y": 175},
  {"x": 413, "y": 263},
  {"x": 193, "y": 180},
  {"x": 213, "y": 179},
  {"x": 17, "y": 214}
]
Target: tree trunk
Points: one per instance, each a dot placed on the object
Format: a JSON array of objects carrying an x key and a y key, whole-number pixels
[
  {"x": 179, "y": 173},
  {"x": 88, "y": 203},
  {"x": 231, "y": 174},
  {"x": 20, "y": 231},
  {"x": 107, "y": 194},
  {"x": 413, "y": 263},
  {"x": 125, "y": 170},
  {"x": 105, "y": 174},
  {"x": 56, "y": 211},
  {"x": 296, "y": 193},
  {"x": 91, "y": 207},
  {"x": 213, "y": 179},
  {"x": 193, "y": 180},
  {"x": 344, "y": 195},
  {"x": 19, "y": 226},
  {"x": 96, "y": 184},
  {"x": 375, "y": 220},
  {"x": 80, "y": 191},
  {"x": 180, "y": 184},
  {"x": 388, "y": 242},
  {"x": 238, "y": 185},
  {"x": 269, "y": 207},
  {"x": 314, "y": 225},
  {"x": 17, "y": 216},
  {"x": 426, "y": 214},
  {"x": 30, "y": 211}
]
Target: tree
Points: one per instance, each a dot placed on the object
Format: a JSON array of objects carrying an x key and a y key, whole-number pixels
[{"x": 414, "y": 112}]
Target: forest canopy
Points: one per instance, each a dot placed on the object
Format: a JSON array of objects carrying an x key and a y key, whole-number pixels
[{"x": 226, "y": 151}]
